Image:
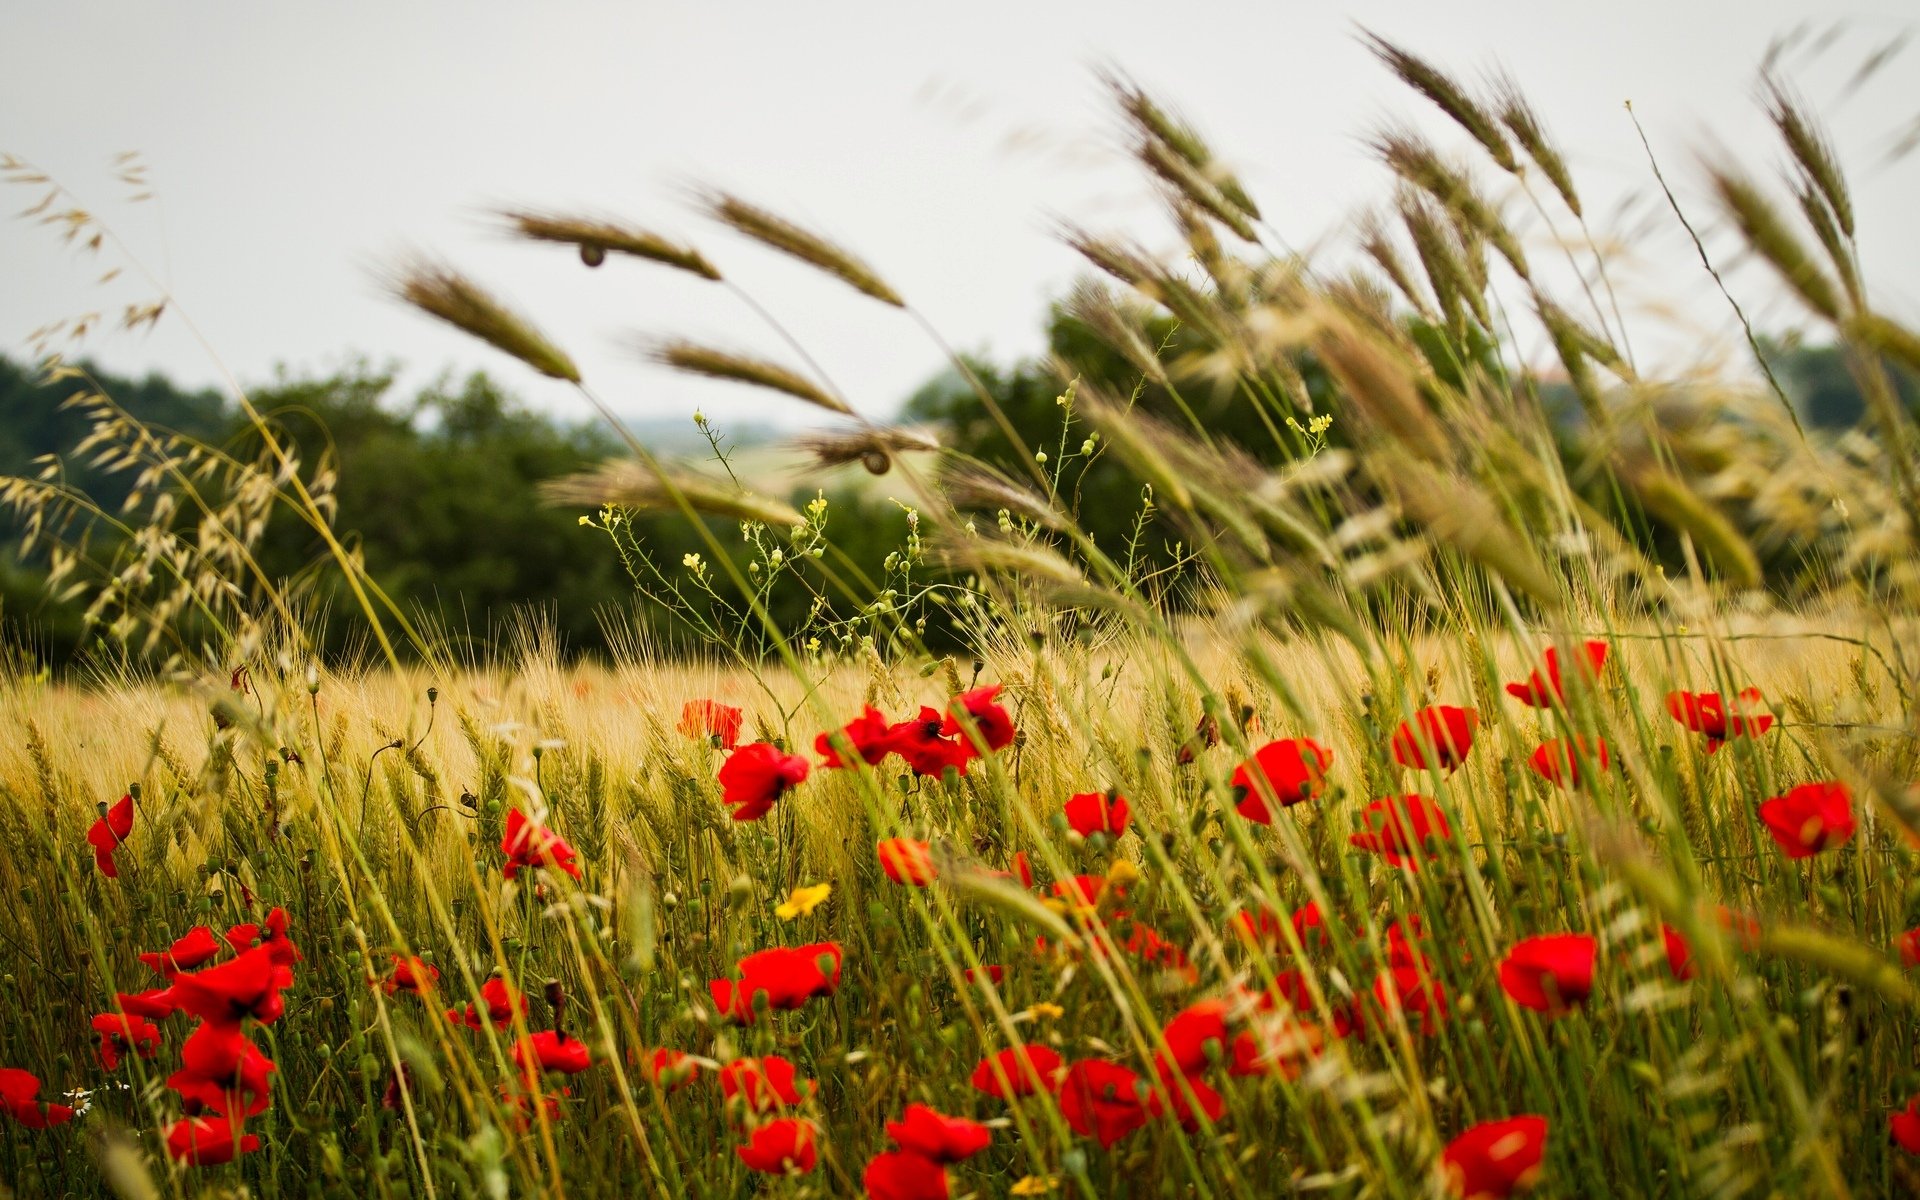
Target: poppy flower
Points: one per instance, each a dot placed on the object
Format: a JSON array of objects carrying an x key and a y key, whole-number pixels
[
  {"x": 1546, "y": 685},
  {"x": 990, "y": 973},
  {"x": 906, "y": 861},
  {"x": 1274, "y": 1045},
  {"x": 1552, "y": 973},
  {"x": 530, "y": 1105},
  {"x": 1146, "y": 944},
  {"x": 1904, "y": 1127},
  {"x": 711, "y": 719},
  {"x": 221, "y": 1069},
  {"x": 764, "y": 1084},
  {"x": 1081, "y": 893},
  {"x": 157, "y": 1003},
  {"x": 20, "y": 1095},
  {"x": 868, "y": 735},
  {"x": 1256, "y": 927},
  {"x": 932, "y": 1134},
  {"x": 1184, "y": 1098},
  {"x": 551, "y": 1050},
  {"x": 411, "y": 975},
  {"x": 1402, "y": 829},
  {"x": 927, "y": 751},
  {"x": 501, "y": 1003},
  {"x": 755, "y": 776},
  {"x": 271, "y": 933},
  {"x": 1018, "y": 1071},
  {"x": 1290, "y": 994},
  {"x": 106, "y": 834},
  {"x": 1679, "y": 954},
  {"x": 902, "y": 1175},
  {"x": 1810, "y": 818},
  {"x": 528, "y": 845},
  {"x": 1495, "y": 1159},
  {"x": 1559, "y": 761},
  {"x": 1438, "y": 738},
  {"x": 1292, "y": 769},
  {"x": 994, "y": 726},
  {"x": 1023, "y": 869},
  {"x": 789, "y": 977},
  {"x": 1708, "y": 713},
  {"x": 398, "y": 1090},
  {"x": 1413, "y": 992},
  {"x": 670, "y": 1070},
  {"x": 1101, "y": 1100},
  {"x": 1908, "y": 944},
  {"x": 781, "y": 1145},
  {"x": 1196, "y": 1036},
  {"x": 197, "y": 946},
  {"x": 122, "y": 1034},
  {"x": 208, "y": 1141},
  {"x": 1089, "y": 813},
  {"x": 246, "y": 986}
]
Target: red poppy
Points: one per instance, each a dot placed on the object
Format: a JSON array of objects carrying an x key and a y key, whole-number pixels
[
  {"x": 157, "y": 1003},
  {"x": 272, "y": 933},
  {"x": 907, "y": 861},
  {"x": 788, "y": 976},
  {"x": 208, "y": 1141},
  {"x": 868, "y": 734},
  {"x": 1679, "y": 954},
  {"x": 1552, "y": 973},
  {"x": 1195, "y": 1037},
  {"x": 932, "y": 1134},
  {"x": 1494, "y": 1159},
  {"x": 1908, "y": 944},
  {"x": 1292, "y": 769},
  {"x": 1437, "y": 738},
  {"x": 246, "y": 986},
  {"x": 20, "y": 1094},
  {"x": 1082, "y": 892},
  {"x": 919, "y": 741},
  {"x": 1403, "y": 828},
  {"x": 1089, "y": 813},
  {"x": 1145, "y": 943},
  {"x": 901, "y": 1175},
  {"x": 781, "y": 1145},
  {"x": 1023, "y": 869},
  {"x": 1707, "y": 713},
  {"x": 551, "y": 1050},
  {"x": 1275, "y": 1044},
  {"x": 501, "y": 1003},
  {"x": 755, "y": 776},
  {"x": 991, "y": 722},
  {"x": 991, "y": 973},
  {"x": 530, "y": 1105},
  {"x": 122, "y": 1034},
  {"x": 1904, "y": 1127},
  {"x": 670, "y": 1070},
  {"x": 529, "y": 845},
  {"x": 1810, "y": 818},
  {"x": 1290, "y": 994},
  {"x": 1018, "y": 1071},
  {"x": 1102, "y": 1100},
  {"x": 221, "y": 1069},
  {"x": 414, "y": 976},
  {"x": 763, "y": 1084},
  {"x": 399, "y": 1088},
  {"x": 106, "y": 834},
  {"x": 1256, "y": 927},
  {"x": 196, "y": 947},
  {"x": 1544, "y": 687},
  {"x": 711, "y": 719},
  {"x": 1559, "y": 761},
  {"x": 1184, "y": 1098}
]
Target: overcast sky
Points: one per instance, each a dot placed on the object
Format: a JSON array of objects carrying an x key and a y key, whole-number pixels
[{"x": 295, "y": 147}]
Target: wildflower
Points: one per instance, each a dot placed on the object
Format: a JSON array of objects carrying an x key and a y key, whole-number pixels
[
  {"x": 196, "y": 947},
  {"x": 157, "y": 1003},
  {"x": 20, "y": 1096},
  {"x": 993, "y": 974},
  {"x": 1274, "y": 1044},
  {"x": 1184, "y": 1098},
  {"x": 903, "y": 1175},
  {"x": 928, "y": 753},
  {"x": 801, "y": 901},
  {"x": 868, "y": 735},
  {"x": 551, "y": 1050},
  {"x": 272, "y": 934},
  {"x": 1019, "y": 1071},
  {"x": 763, "y": 1084},
  {"x": 1494, "y": 1159},
  {"x": 1291, "y": 769},
  {"x": 1552, "y": 973},
  {"x": 208, "y": 1141},
  {"x": 1810, "y": 818},
  {"x": 1196, "y": 1036},
  {"x": 906, "y": 861},
  {"x": 246, "y": 986},
  {"x": 755, "y": 776},
  {"x": 1410, "y": 990},
  {"x": 993, "y": 725},
  {"x": 1023, "y": 869},
  {"x": 222, "y": 1070},
  {"x": 122, "y": 1034},
  {"x": 1558, "y": 761},
  {"x": 1089, "y": 813},
  {"x": 1032, "y": 1185},
  {"x": 1707, "y": 713},
  {"x": 501, "y": 1001},
  {"x": 1544, "y": 690},
  {"x": 529, "y": 1105},
  {"x": 1908, "y": 944},
  {"x": 1904, "y": 1127},
  {"x": 788, "y": 978},
  {"x": 670, "y": 1070},
  {"x": 1679, "y": 954},
  {"x": 415, "y": 976},
  {"x": 528, "y": 845},
  {"x": 106, "y": 834},
  {"x": 720, "y": 723},
  {"x": 932, "y": 1134},
  {"x": 1438, "y": 738},
  {"x": 781, "y": 1145},
  {"x": 1042, "y": 1010},
  {"x": 1402, "y": 828},
  {"x": 1102, "y": 1100}
]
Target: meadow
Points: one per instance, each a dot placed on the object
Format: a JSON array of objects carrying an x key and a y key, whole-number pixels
[{"x": 1500, "y": 781}]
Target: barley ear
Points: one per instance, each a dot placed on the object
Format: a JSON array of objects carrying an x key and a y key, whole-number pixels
[
  {"x": 790, "y": 239},
  {"x": 438, "y": 290},
  {"x": 696, "y": 359},
  {"x": 596, "y": 238}
]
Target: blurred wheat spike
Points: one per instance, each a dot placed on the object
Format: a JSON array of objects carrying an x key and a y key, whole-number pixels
[
  {"x": 873, "y": 448},
  {"x": 713, "y": 363},
  {"x": 624, "y": 483},
  {"x": 441, "y": 291},
  {"x": 597, "y": 238},
  {"x": 811, "y": 248}
]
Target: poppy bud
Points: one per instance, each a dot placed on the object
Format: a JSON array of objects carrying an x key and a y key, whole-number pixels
[
  {"x": 557, "y": 999},
  {"x": 433, "y": 695}
]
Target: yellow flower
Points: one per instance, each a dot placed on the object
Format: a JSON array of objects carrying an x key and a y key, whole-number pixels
[
  {"x": 1033, "y": 1185},
  {"x": 1122, "y": 873},
  {"x": 1043, "y": 1009},
  {"x": 802, "y": 901}
]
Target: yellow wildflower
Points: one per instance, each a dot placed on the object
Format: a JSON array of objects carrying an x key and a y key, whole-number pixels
[
  {"x": 803, "y": 900},
  {"x": 1033, "y": 1185},
  {"x": 1043, "y": 1009}
]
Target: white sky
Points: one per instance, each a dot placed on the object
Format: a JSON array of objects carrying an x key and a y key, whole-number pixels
[{"x": 296, "y": 147}]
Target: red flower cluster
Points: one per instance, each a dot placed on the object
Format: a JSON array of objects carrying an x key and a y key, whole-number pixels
[
  {"x": 1708, "y": 713},
  {"x": 929, "y": 1141},
  {"x": 502, "y": 1003},
  {"x": 1403, "y": 829},
  {"x": 787, "y": 977},
  {"x": 973, "y": 724},
  {"x": 20, "y": 1098}
]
